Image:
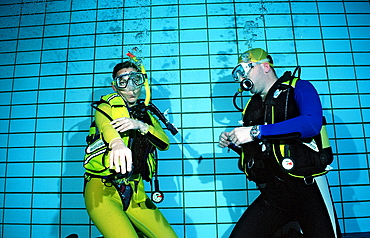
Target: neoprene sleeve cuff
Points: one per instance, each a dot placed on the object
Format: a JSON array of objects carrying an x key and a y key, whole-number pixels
[{"x": 110, "y": 143}]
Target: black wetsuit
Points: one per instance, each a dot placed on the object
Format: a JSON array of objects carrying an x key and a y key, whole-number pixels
[{"x": 283, "y": 197}]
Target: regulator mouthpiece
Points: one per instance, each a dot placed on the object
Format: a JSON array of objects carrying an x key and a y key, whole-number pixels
[{"x": 246, "y": 84}]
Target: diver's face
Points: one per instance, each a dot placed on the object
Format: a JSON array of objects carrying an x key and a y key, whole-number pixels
[
  {"x": 130, "y": 94},
  {"x": 255, "y": 75},
  {"x": 261, "y": 77}
]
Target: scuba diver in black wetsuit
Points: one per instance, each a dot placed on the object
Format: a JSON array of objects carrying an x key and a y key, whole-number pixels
[{"x": 281, "y": 150}]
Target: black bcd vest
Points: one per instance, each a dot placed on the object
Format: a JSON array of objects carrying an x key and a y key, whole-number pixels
[{"x": 262, "y": 158}]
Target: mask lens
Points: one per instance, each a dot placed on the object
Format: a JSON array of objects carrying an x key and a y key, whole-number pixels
[
  {"x": 238, "y": 71},
  {"x": 122, "y": 80},
  {"x": 241, "y": 70},
  {"x": 129, "y": 81},
  {"x": 137, "y": 78}
]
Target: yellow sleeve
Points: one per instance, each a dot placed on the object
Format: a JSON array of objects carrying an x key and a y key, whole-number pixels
[
  {"x": 157, "y": 135},
  {"x": 103, "y": 123}
]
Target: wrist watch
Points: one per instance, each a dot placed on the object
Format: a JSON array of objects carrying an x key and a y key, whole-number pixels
[{"x": 255, "y": 131}]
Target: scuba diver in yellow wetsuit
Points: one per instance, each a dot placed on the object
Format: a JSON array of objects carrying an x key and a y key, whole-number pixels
[{"x": 114, "y": 190}]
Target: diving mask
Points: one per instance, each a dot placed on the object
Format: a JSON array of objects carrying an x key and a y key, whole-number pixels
[
  {"x": 129, "y": 81},
  {"x": 242, "y": 70},
  {"x": 240, "y": 74},
  {"x": 245, "y": 66}
]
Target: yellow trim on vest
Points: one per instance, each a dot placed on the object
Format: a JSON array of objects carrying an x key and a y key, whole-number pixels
[
  {"x": 325, "y": 143},
  {"x": 313, "y": 175},
  {"x": 293, "y": 82},
  {"x": 245, "y": 108},
  {"x": 282, "y": 150},
  {"x": 324, "y": 137}
]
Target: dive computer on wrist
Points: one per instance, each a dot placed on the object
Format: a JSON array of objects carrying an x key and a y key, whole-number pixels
[{"x": 255, "y": 131}]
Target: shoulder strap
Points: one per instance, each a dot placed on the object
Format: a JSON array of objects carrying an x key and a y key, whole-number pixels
[
  {"x": 269, "y": 100},
  {"x": 288, "y": 78},
  {"x": 109, "y": 97},
  {"x": 104, "y": 99},
  {"x": 246, "y": 105},
  {"x": 101, "y": 111},
  {"x": 115, "y": 101}
]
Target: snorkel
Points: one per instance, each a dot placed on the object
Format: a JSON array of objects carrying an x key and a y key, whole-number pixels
[
  {"x": 156, "y": 196},
  {"x": 143, "y": 71},
  {"x": 147, "y": 103}
]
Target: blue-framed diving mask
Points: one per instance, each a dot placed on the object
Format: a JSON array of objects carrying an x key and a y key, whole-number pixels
[
  {"x": 129, "y": 81},
  {"x": 240, "y": 74}
]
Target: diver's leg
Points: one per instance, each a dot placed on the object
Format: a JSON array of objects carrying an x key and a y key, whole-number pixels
[
  {"x": 105, "y": 209},
  {"x": 260, "y": 220},
  {"x": 318, "y": 217},
  {"x": 148, "y": 219}
]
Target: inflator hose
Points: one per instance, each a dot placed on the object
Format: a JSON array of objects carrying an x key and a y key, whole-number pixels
[{"x": 240, "y": 91}]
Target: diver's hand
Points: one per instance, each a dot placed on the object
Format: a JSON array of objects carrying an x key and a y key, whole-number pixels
[
  {"x": 124, "y": 124},
  {"x": 120, "y": 157},
  {"x": 224, "y": 140},
  {"x": 240, "y": 135}
]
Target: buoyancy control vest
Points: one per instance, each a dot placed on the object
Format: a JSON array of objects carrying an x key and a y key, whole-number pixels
[
  {"x": 96, "y": 157},
  {"x": 286, "y": 155}
]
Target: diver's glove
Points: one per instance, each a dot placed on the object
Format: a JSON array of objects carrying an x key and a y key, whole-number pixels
[
  {"x": 120, "y": 156},
  {"x": 124, "y": 124}
]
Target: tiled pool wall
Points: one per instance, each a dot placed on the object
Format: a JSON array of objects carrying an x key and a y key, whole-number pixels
[{"x": 56, "y": 56}]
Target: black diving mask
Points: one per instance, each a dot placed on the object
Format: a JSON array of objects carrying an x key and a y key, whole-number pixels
[{"x": 129, "y": 81}]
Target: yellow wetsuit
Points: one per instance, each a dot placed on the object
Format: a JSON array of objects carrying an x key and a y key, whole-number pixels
[{"x": 102, "y": 200}]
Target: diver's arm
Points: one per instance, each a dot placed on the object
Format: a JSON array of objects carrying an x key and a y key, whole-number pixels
[
  {"x": 307, "y": 124},
  {"x": 154, "y": 132},
  {"x": 123, "y": 124},
  {"x": 103, "y": 123},
  {"x": 157, "y": 135},
  {"x": 120, "y": 157}
]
